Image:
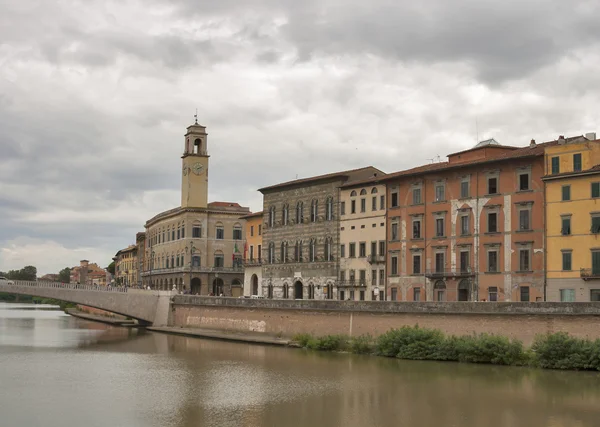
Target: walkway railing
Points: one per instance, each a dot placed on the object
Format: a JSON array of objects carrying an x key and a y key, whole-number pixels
[{"x": 75, "y": 286}]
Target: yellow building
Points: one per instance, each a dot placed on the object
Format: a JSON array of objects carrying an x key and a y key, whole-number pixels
[
  {"x": 126, "y": 266},
  {"x": 572, "y": 187},
  {"x": 253, "y": 255}
]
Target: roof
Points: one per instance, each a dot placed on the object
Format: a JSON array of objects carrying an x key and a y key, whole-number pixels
[
  {"x": 486, "y": 142},
  {"x": 224, "y": 205},
  {"x": 341, "y": 174},
  {"x": 534, "y": 150},
  {"x": 252, "y": 215},
  {"x": 127, "y": 249}
]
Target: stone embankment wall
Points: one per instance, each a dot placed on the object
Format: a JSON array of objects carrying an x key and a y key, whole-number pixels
[{"x": 289, "y": 317}]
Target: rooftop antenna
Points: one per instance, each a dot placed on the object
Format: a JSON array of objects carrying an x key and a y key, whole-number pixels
[
  {"x": 196, "y": 116},
  {"x": 439, "y": 158}
]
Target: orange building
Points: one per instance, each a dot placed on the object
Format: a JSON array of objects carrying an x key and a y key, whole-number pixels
[{"x": 252, "y": 254}]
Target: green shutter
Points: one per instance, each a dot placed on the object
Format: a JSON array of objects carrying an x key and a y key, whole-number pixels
[
  {"x": 595, "y": 189},
  {"x": 577, "y": 162},
  {"x": 555, "y": 165},
  {"x": 566, "y": 261},
  {"x": 566, "y": 192},
  {"x": 595, "y": 263}
]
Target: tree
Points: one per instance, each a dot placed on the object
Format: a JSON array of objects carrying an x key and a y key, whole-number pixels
[
  {"x": 28, "y": 272},
  {"x": 111, "y": 268},
  {"x": 64, "y": 275}
]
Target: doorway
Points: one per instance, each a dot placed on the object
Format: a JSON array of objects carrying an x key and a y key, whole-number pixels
[
  {"x": 298, "y": 291},
  {"x": 254, "y": 282},
  {"x": 217, "y": 287},
  {"x": 195, "y": 286},
  {"x": 464, "y": 288}
]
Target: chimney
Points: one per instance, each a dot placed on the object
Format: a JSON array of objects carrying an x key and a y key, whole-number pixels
[
  {"x": 561, "y": 140},
  {"x": 532, "y": 143},
  {"x": 591, "y": 136}
]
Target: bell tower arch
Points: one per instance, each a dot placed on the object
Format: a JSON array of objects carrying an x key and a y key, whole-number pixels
[{"x": 194, "y": 180}]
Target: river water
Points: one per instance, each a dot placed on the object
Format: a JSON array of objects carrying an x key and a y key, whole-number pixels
[{"x": 58, "y": 371}]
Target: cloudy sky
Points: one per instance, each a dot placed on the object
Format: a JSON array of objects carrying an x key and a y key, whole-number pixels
[{"x": 95, "y": 97}]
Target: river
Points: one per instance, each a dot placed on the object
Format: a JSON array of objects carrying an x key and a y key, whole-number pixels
[{"x": 58, "y": 371}]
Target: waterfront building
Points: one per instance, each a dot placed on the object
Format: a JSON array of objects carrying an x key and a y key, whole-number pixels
[
  {"x": 301, "y": 235},
  {"x": 573, "y": 220},
  {"x": 470, "y": 228},
  {"x": 140, "y": 242},
  {"x": 253, "y": 255},
  {"x": 363, "y": 246},
  {"x": 198, "y": 245},
  {"x": 126, "y": 266}
]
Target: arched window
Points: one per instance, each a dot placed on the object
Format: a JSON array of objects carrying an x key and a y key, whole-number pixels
[
  {"x": 298, "y": 251},
  {"x": 220, "y": 231},
  {"x": 328, "y": 249},
  {"x": 237, "y": 232},
  {"x": 183, "y": 230},
  {"x": 353, "y": 193},
  {"x": 314, "y": 210},
  {"x": 286, "y": 291},
  {"x": 172, "y": 233},
  {"x": 299, "y": 213},
  {"x": 271, "y": 253},
  {"x": 285, "y": 214},
  {"x": 312, "y": 252},
  {"x": 439, "y": 291},
  {"x": 311, "y": 291},
  {"x": 219, "y": 259},
  {"x": 272, "y": 216},
  {"x": 284, "y": 247},
  {"x": 374, "y": 190},
  {"x": 329, "y": 209},
  {"x": 197, "y": 229},
  {"x": 172, "y": 261},
  {"x": 363, "y": 192},
  {"x": 178, "y": 231},
  {"x": 198, "y": 146},
  {"x": 167, "y": 263}
]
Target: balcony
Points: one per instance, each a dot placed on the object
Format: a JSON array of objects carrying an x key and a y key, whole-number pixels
[
  {"x": 589, "y": 274},
  {"x": 252, "y": 262},
  {"x": 353, "y": 283},
  {"x": 448, "y": 273},
  {"x": 376, "y": 259}
]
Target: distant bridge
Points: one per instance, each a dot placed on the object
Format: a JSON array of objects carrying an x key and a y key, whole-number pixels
[{"x": 146, "y": 306}]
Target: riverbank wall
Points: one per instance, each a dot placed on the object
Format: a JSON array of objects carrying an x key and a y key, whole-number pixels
[{"x": 286, "y": 318}]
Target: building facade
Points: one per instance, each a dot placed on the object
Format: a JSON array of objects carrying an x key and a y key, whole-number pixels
[
  {"x": 197, "y": 247},
  {"x": 301, "y": 235},
  {"x": 253, "y": 255},
  {"x": 363, "y": 246},
  {"x": 469, "y": 229},
  {"x": 126, "y": 266},
  {"x": 573, "y": 220}
]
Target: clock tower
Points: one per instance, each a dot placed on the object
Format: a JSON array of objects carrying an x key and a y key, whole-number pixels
[{"x": 194, "y": 179}]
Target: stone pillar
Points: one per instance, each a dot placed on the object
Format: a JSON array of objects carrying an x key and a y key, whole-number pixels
[{"x": 83, "y": 270}]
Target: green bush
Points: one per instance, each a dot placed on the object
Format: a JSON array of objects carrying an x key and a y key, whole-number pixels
[
  {"x": 327, "y": 343},
  {"x": 561, "y": 351},
  {"x": 362, "y": 344},
  {"x": 302, "y": 339},
  {"x": 389, "y": 343},
  {"x": 421, "y": 344},
  {"x": 494, "y": 349}
]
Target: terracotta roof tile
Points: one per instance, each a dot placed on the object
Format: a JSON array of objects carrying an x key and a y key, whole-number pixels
[
  {"x": 319, "y": 177},
  {"x": 252, "y": 215},
  {"x": 223, "y": 205}
]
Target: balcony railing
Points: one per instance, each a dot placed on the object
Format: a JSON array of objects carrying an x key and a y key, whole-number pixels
[
  {"x": 449, "y": 272},
  {"x": 193, "y": 269},
  {"x": 252, "y": 262},
  {"x": 376, "y": 259},
  {"x": 358, "y": 282},
  {"x": 589, "y": 274}
]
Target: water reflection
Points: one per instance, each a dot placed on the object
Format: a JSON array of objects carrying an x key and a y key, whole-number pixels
[{"x": 125, "y": 377}]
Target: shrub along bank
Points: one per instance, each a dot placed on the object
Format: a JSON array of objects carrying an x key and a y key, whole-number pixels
[{"x": 552, "y": 351}]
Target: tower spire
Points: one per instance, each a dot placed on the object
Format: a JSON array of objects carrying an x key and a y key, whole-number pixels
[{"x": 196, "y": 117}]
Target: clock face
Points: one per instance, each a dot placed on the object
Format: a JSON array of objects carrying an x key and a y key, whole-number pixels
[
  {"x": 185, "y": 170},
  {"x": 197, "y": 168}
]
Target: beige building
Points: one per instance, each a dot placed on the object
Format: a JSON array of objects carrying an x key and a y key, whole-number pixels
[
  {"x": 126, "y": 266},
  {"x": 253, "y": 255},
  {"x": 362, "y": 242},
  {"x": 198, "y": 246}
]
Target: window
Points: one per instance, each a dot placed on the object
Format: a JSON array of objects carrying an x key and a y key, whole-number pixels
[
  {"x": 298, "y": 251},
  {"x": 524, "y": 181},
  {"x": 286, "y": 291},
  {"x": 272, "y": 217},
  {"x": 567, "y": 295},
  {"x": 342, "y": 295},
  {"x": 373, "y": 278},
  {"x": 493, "y": 185},
  {"x": 382, "y": 247},
  {"x": 566, "y": 193},
  {"x": 595, "y": 263},
  {"x": 382, "y": 202},
  {"x": 173, "y": 234},
  {"x": 353, "y": 193},
  {"x": 464, "y": 188},
  {"x": 394, "y": 265},
  {"x": 314, "y": 209},
  {"x": 577, "y": 162},
  {"x": 195, "y": 261},
  {"x": 183, "y": 231},
  {"x": 328, "y": 249},
  {"x": 299, "y": 213},
  {"x": 416, "y": 193},
  {"x": 374, "y": 203},
  {"x": 352, "y": 250},
  {"x": 178, "y": 233},
  {"x": 464, "y": 225},
  {"x": 381, "y": 277},
  {"x": 197, "y": 231},
  {"x": 440, "y": 262},
  {"x": 464, "y": 262},
  {"x": 362, "y": 277},
  {"x": 394, "y": 203},
  {"x": 351, "y": 276},
  {"x": 362, "y": 295},
  {"x": 373, "y": 248},
  {"x": 251, "y": 230},
  {"x": 271, "y": 253},
  {"x": 492, "y": 257},
  {"x": 284, "y": 247},
  {"x": 524, "y": 223},
  {"x": 566, "y": 260},
  {"x": 362, "y": 249},
  {"x": 259, "y": 252},
  {"x": 285, "y": 214},
  {"x": 524, "y": 260},
  {"x": 363, "y": 205},
  {"x": 439, "y": 227},
  {"x": 343, "y": 208},
  {"x": 237, "y": 232},
  {"x": 440, "y": 192},
  {"x": 417, "y": 264},
  {"x": 565, "y": 228},
  {"x": 439, "y": 291},
  {"x": 329, "y": 209},
  {"x": 595, "y": 190},
  {"x": 312, "y": 251},
  {"x": 595, "y": 224},
  {"x": 219, "y": 259},
  {"x": 259, "y": 229},
  {"x": 417, "y": 294},
  {"x": 492, "y": 293},
  {"x": 594, "y": 294},
  {"x": 342, "y": 276},
  {"x": 416, "y": 229},
  {"x": 220, "y": 232},
  {"x": 363, "y": 192},
  {"x": 353, "y": 206},
  {"x": 555, "y": 165},
  {"x": 394, "y": 231},
  {"x": 342, "y": 251},
  {"x": 492, "y": 222},
  {"x": 524, "y": 291},
  {"x": 252, "y": 252},
  {"x": 394, "y": 296}
]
